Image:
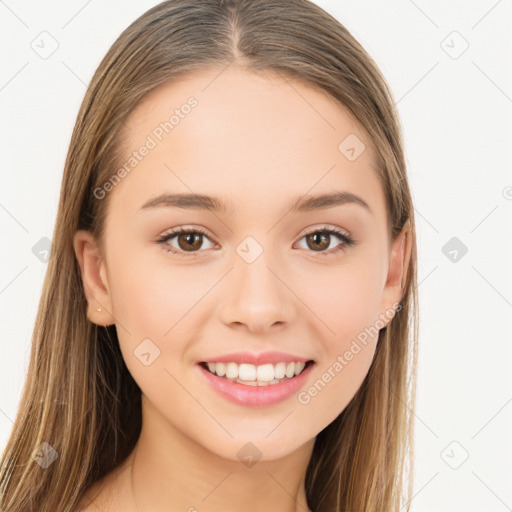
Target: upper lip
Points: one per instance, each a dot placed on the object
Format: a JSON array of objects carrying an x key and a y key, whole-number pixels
[{"x": 255, "y": 359}]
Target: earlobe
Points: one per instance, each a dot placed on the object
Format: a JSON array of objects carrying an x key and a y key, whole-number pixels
[{"x": 94, "y": 278}]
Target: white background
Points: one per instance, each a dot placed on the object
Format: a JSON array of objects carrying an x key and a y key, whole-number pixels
[{"x": 456, "y": 114}]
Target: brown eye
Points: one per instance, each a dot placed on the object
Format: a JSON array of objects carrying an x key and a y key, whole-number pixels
[
  {"x": 321, "y": 239},
  {"x": 318, "y": 241},
  {"x": 187, "y": 241}
]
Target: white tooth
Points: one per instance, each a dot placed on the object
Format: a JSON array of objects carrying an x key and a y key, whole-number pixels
[
  {"x": 275, "y": 381},
  {"x": 290, "y": 370},
  {"x": 220, "y": 369},
  {"x": 231, "y": 370},
  {"x": 265, "y": 372},
  {"x": 247, "y": 372},
  {"x": 247, "y": 383},
  {"x": 262, "y": 383},
  {"x": 299, "y": 367},
  {"x": 279, "y": 370}
]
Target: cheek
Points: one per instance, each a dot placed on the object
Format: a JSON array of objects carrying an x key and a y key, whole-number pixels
[
  {"x": 149, "y": 294},
  {"x": 345, "y": 301},
  {"x": 345, "y": 354},
  {"x": 345, "y": 298},
  {"x": 145, "y": 307},
  {"x": 335, "y": 383},
  {"x": 156, "y": 307}
]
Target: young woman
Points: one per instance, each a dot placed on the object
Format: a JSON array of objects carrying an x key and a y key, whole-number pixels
[{"x": 226, "y": 318}]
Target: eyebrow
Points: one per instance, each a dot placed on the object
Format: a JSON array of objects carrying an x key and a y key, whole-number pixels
[{"x": 215, "y": 204}]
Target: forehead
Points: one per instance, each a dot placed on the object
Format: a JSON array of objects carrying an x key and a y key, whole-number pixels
[{"x": 253, "y": 139}]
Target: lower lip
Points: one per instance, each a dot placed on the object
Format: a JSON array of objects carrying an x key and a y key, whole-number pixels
[{"x": 256, "y": 396}]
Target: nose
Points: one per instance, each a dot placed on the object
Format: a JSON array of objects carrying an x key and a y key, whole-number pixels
[{"x": 257, "y": 297}]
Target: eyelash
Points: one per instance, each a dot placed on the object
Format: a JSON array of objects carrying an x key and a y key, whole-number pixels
[{"x": 345, "y": 238}]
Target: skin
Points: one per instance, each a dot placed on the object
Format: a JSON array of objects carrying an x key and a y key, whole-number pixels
[{"x": 257, "y": 141}]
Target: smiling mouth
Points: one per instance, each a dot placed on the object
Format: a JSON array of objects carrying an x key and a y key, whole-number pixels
[{"x": 252, "y": 375}]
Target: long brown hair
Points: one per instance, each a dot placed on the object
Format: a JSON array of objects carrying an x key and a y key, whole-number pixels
[{"x": 79, "y": 397}]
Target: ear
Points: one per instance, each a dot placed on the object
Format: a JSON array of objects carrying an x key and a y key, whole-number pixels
[
  {"x": 94, "y": 278},
  {"x": 397, "y": 272}
]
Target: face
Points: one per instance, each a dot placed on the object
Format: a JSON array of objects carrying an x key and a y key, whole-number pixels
[{"x": 315, "y": 282}]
